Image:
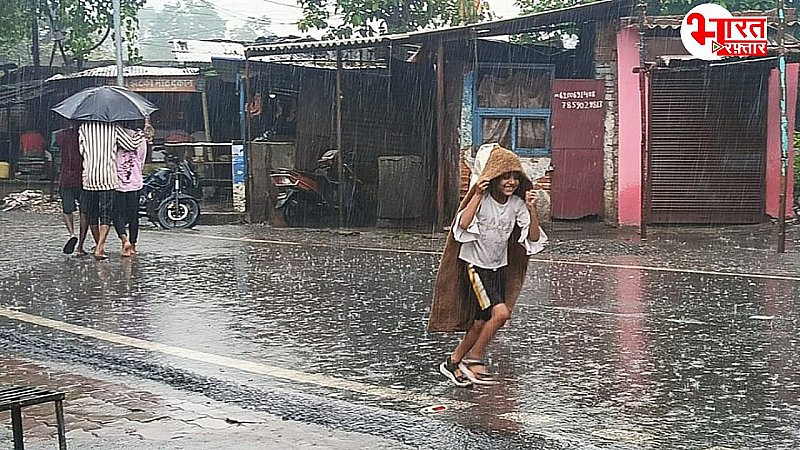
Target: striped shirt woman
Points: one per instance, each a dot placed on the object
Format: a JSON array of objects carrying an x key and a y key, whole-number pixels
[{"x": 98, "y": 143}]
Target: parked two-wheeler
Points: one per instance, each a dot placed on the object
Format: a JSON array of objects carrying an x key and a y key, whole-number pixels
[
  {"x": 165, "y": 199},
  {"x": 312, "y": 199}
]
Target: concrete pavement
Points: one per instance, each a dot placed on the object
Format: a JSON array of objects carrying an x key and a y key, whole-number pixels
[{"x": 109, "y": 411}]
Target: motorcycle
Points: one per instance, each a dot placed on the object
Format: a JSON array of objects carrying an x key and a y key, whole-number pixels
[
  {"x": 311, "y": 199},
  {"x": 165, "y": 198}
]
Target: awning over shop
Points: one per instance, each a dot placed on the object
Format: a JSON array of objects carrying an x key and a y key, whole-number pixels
[
  {"x": 143, "y": 78},
  {"x": 22, "y": 92}
]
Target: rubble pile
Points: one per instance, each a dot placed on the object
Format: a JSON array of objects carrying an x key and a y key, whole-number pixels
[{"x": 30, "y": 200}]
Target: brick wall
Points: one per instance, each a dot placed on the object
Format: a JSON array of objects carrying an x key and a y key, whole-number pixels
[{"x": 606, "y": 70}]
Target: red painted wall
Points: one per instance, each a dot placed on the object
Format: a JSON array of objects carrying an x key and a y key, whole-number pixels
[{"x": 578, "y": 111}]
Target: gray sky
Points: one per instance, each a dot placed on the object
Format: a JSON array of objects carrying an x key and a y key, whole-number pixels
[{"x": 284, "y": 13}]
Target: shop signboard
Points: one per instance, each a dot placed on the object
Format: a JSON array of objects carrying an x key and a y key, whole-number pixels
[{"x": 162, "y": 84}]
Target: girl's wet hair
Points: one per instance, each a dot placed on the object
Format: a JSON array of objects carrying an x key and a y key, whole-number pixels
[{"x": 514, "y": 173}]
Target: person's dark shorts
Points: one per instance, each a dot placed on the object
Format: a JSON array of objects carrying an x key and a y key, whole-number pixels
[
  {"x": 70, "y": 198},
  {"x": 99, "y": 206},
  {"x": 494, "y": 284}
]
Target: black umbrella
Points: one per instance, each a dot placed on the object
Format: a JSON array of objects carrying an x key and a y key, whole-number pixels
[{"x": 105, "y": 104}]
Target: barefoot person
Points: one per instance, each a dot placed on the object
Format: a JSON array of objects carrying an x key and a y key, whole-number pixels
[
  {"x": 98, "y": 143},
  {"x": 484, "y": 264},
  {"x": 69, "y": 180},
  {"x": 87, "y": 225},
  {"x": 126, "y": 200}
]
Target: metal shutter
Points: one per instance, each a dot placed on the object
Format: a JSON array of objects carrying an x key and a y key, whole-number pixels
[{"x": 708, "y": 145}]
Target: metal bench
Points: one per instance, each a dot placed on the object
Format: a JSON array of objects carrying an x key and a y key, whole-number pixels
[{"x": 15, "y": 398}]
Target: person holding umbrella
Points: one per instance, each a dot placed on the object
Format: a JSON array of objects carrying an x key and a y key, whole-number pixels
[
  {"x": 126, "y": 201},
  {"x": 98, "y": 143},
  {"x": 99, "y": 136}
]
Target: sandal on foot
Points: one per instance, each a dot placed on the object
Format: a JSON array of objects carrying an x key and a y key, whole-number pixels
[
  {"x": 448, "y": 368},
  {"x": 480, "y": 378},
  {"x": 69, "y": 247}
]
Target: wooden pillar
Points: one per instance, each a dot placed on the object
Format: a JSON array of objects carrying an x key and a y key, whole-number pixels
[
  {"x": 206, "y": 120},
  {"x": 644, "y": 112},
  {"x": 441, "y": 159},
  {"x": 784, "y": 128},
  {"x": 244, "y": 86},
  {"x": 260, "y": 182},
  {"x": 339, "y": 165}
]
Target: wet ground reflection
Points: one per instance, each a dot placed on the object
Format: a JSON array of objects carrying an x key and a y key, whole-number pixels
[{"x": 602, "y": 355}]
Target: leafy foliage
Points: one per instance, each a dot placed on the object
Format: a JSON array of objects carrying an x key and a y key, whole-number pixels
[
  {"x": 15, "y": 23},
  {"x": 681, "y": 7},
  {"x": 371, "y": 17},
  {"x": 656, "y": 7},
  {"x": 534, "y": 6},
  {"x": 80, "y": 25},
  {"x": 86, "y": 22},
  {"x": 797, "y": 163}
]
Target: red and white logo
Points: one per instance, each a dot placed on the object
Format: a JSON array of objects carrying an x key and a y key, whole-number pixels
[{"x": 710, "y": 32}]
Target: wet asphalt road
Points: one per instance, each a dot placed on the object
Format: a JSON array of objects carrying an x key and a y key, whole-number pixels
[{"x": 595, "y": 357}]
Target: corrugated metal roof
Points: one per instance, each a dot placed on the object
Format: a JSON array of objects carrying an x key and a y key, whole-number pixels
[
  {"x": 674, "y": 22},
  {"x": 309, "y": 46},
  {"x": 130, "y": 71},
  {"x": 200, "y": 50},
  {"x": 22, "y": 92},
  {"x": 326, "y": 64},
  {"x": 675, "y": 25},
  {"x": 603, "y": 8},
  {"x": 670, "y": 27}
]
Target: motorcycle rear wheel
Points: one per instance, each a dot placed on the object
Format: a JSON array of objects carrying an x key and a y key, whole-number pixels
[{"x": 185, "y": 213}]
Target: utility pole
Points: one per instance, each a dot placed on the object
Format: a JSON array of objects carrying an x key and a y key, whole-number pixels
[
  {"x": 441, "y": 140},
  {"x": 784, "y": 128},
  {"x": 118, "y": 41},
  {"x": 339, "y": 162},
  {"x": 35, "y": 37},
  {"x": 645, "y": 112}
]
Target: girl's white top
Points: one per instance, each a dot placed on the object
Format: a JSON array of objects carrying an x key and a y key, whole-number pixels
[{"x": 485, "y": 241}]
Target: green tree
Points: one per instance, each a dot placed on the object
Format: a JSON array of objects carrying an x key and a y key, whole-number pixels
[
  {"x": 182, "y": 19},
  {"x": 371, "y": 17},
  {"x": 15, "y": 23},
  {"x": 80, "y": 26},
  {"x": 681, "y": 7},
  {"x": 655, "y": 7}
]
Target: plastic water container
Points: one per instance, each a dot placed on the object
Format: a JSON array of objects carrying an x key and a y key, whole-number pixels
[{"x": 5, "y": 169}]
